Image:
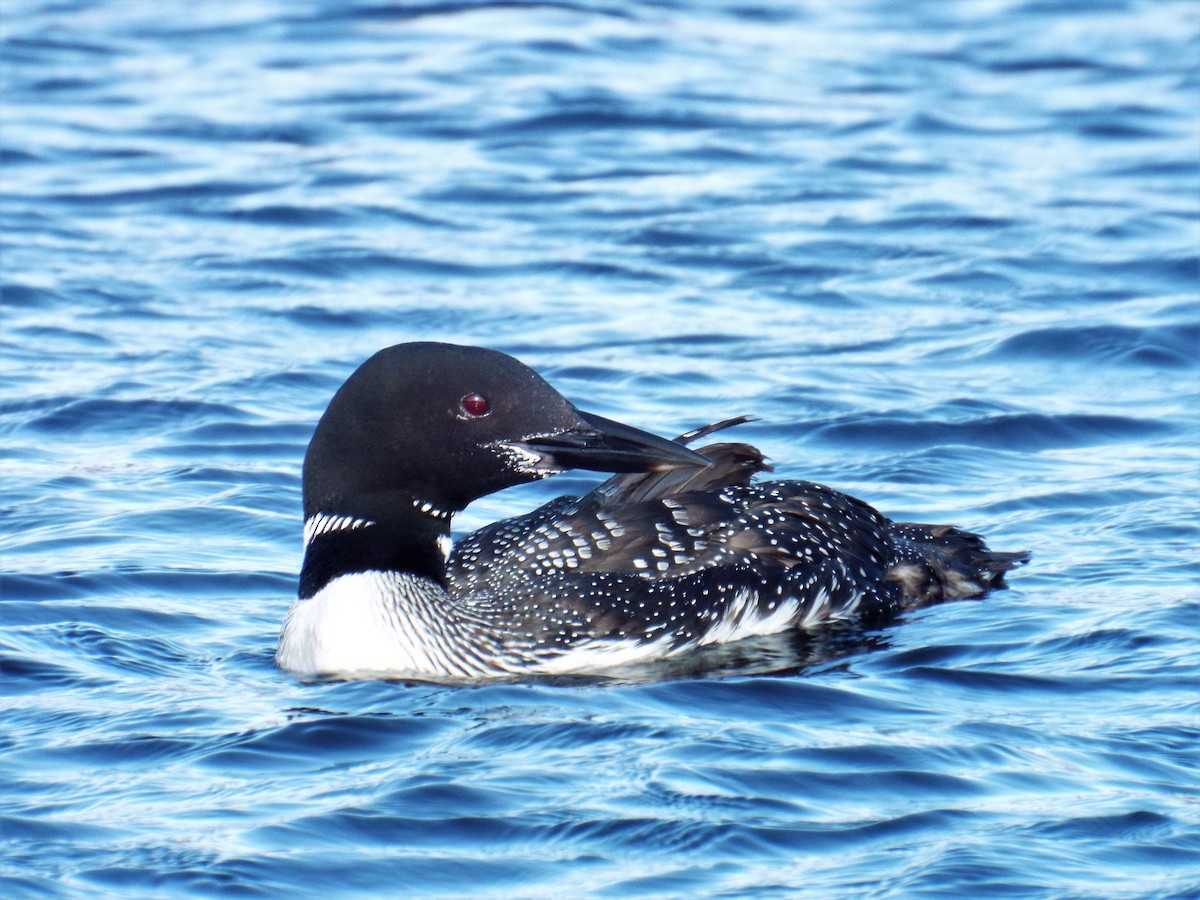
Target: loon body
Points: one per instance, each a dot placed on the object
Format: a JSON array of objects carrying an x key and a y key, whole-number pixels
[{"x": 679, "y": 549}]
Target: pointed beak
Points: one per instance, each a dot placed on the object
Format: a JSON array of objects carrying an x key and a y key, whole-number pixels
[{"x": 603, "y": 445}]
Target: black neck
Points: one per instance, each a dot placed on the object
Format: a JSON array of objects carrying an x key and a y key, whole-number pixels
[{"x": 408, "y": 543}]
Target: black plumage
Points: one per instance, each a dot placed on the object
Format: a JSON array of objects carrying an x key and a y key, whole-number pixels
[{"x": 618, "y": 561}]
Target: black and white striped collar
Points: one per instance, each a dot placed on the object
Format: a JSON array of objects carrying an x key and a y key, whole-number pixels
[
  {"x": 322, "y": 523},
  {"x": 428, "y": 509}
]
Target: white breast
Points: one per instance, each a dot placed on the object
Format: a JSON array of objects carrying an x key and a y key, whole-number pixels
[{"x": 367, "y": 623}]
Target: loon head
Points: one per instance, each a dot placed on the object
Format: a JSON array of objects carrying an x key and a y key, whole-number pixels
[{"x": 431, "y": 427}]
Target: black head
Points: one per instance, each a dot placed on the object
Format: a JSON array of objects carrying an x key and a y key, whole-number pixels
[{"x": 439, "y": 425}]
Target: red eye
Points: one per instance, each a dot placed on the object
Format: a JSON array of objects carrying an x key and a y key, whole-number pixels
[{"x": 475, "y": 405}]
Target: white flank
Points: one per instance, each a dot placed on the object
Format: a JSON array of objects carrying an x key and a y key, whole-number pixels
[
  {"x": 388, "y": 623},
  {"x": 741, "y": 619},
  {"x": 605, "y": 653}
]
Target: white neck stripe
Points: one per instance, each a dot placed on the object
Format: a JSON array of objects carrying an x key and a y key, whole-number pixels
[
  {"x": 323, "y": 524},
  {"x": 430, "y": 510}
]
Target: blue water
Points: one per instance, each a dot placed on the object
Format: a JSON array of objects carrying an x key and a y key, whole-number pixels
[{"x": 947, "y": 254}]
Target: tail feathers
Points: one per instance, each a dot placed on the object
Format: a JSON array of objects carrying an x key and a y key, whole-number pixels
[{"x": 940, "y": 562}]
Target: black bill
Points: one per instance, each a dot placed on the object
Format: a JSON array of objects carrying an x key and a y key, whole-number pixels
[{"x": 603, "y": 445}]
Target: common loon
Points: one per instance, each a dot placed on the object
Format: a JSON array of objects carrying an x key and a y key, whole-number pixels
[{"x": 679, "y": 549}]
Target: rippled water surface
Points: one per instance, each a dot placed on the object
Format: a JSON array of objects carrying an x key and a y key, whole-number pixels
[{"x": 947, "y": 254}]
